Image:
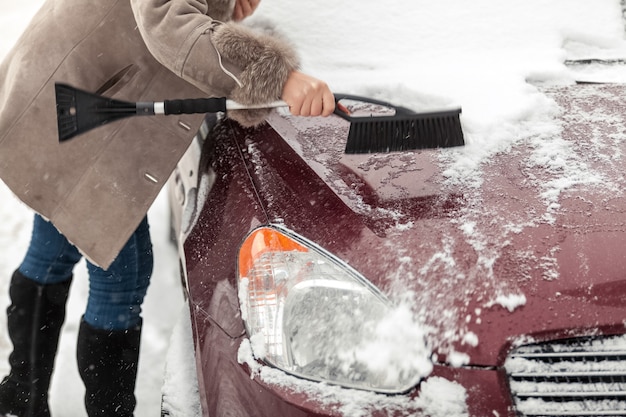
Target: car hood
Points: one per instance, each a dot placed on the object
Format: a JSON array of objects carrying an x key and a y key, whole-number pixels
[{"x": 525, "y": 245}]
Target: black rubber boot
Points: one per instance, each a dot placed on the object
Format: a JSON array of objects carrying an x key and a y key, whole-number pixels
[
  {"x": 107, "y": 363},
  {"x": 35, "y": 318}
]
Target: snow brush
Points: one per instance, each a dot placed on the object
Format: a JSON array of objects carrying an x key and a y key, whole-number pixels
[
  {"x": 79, "y": 111},
  {"x": 401, "y": 129}
]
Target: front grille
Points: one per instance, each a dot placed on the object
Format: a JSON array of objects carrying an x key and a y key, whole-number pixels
[{"x": 575, "y": 377}]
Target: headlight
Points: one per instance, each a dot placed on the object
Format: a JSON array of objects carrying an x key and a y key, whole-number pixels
[{"x": 313, "y": 316}]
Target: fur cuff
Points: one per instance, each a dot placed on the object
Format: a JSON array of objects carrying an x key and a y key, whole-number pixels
[{"x": 266, "y": 62}]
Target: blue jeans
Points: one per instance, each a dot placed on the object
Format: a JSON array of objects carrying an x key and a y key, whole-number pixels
[{"x": 115, "y": 295}]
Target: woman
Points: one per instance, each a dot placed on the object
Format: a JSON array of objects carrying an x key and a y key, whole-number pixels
[{"x": 91, "y": 193}]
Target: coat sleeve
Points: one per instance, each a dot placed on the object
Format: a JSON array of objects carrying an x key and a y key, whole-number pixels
[{"x": 220, "y": 58}]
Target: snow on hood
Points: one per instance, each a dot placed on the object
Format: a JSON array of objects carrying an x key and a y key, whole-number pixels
[
  {"x": 467, "y": 236},
  {"x": 510, "y": 239}
]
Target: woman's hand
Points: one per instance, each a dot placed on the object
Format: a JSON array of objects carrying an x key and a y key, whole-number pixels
[
  {"x": 307, "y": 96},
  {"x": 244, "y": 8}
]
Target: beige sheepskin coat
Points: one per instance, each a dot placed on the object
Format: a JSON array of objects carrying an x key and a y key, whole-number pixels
[{"x": 97, "y": 187}]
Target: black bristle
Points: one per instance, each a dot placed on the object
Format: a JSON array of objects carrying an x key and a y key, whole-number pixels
[{"x": 395, "y": 134}]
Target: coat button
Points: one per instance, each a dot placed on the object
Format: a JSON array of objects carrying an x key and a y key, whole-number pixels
[{"x": 151, "y": 178}]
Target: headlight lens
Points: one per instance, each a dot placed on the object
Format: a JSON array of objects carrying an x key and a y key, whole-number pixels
[{"x": 313, "y": 316}]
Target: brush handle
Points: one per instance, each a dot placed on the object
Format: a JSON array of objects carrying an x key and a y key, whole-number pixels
[
  {"x": 198, "y": 106},
  {"x": 399, "y": 111},
  {"x": 194, "y": 105}
]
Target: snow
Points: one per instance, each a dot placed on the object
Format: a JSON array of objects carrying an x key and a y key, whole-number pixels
[
  {"x": 161, "y": 310},
  {"x": 607, "y": 361},
  {"x": 509, "y": 301},
  {"x": 439, "y": 397},
  {"x": 487, "y": 56},
  {"x": 180, "y": 384}
]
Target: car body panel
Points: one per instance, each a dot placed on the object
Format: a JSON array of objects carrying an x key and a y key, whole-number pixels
[{"x": 519, "y": 255}]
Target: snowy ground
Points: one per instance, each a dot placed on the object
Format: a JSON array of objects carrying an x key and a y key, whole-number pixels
[
  {"x": 419, "y": 53},
  {"x": 161, "y": 310}
]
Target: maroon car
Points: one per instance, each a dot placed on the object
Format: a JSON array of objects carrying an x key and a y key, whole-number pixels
[{"x": 394, "y": 284}]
